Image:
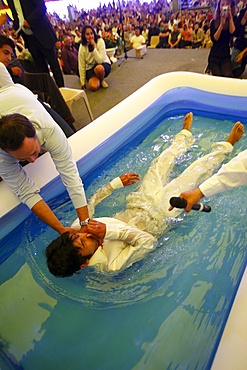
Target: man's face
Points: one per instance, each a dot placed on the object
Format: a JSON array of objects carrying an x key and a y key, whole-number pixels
[
  {"x": 5, "y": 54},
  {"x": 68, "y": 42},
  {"x": 29, "y": 150},
  {"x": 137, "y": 32},
  {"x": 85, "y": 242}
]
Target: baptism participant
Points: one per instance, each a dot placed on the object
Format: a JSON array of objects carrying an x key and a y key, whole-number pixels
[{"x": 111, "y": 244}]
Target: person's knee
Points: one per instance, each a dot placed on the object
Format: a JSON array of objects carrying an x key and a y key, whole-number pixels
[
  {"x": 94, "y": 83},
  {"x": 99, "y": 71}
]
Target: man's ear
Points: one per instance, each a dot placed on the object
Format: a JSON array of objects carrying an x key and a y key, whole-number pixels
[{"x": 84, "y": 264}]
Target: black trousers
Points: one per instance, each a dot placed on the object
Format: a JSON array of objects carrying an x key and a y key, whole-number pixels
[{"x": 42, "y": 57}]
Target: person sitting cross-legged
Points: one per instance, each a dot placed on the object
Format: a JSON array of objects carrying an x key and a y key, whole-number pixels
[
  {"x": 69, "y": 57},
  {"x": 164, "y": 35},
  {"x": 197, "y": 36},
  {"x": 174, "y": 37},
  {"x": 114, "y": 243},
  {"x": 137, "y": 40},
  {"x": 186, "y": 37}
]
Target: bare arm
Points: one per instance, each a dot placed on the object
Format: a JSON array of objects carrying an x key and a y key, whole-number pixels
[
  {"x": 45, "y": 214},
  {"x": 244, "y": 19},
  {"x": 169, "y": 40},
  {"x": 240, "y": 56},
  {"x": 178, "y": 40},
  {"x": 217, "y": 34}
]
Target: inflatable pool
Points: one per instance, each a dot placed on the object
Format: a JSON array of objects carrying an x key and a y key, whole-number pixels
[{"x": 173, "y": 92}]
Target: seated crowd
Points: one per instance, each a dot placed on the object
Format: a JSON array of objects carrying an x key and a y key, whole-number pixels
[{"x": 128, "y": 27}]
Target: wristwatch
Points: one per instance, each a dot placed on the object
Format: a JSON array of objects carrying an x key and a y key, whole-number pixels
[{"x": 85, "y": 222}]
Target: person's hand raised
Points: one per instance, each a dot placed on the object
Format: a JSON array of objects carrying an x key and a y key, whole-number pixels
[{"x": 129, "y": 178}]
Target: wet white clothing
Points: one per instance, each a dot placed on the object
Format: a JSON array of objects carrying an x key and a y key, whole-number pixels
[
  {"x": 123, "y": 245},
  {"x": 147, "y": 208},
  {"x": 18, "y": 99},
  {"x": 231, "y": 175}
]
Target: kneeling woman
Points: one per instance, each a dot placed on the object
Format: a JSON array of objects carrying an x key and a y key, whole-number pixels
[{"x": 94, "y": 64}]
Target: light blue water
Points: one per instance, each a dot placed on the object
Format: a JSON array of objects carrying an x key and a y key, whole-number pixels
[{"x": 165, "y": 312}]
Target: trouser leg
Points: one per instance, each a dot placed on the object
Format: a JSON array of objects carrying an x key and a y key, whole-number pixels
[
  {"x": 195, "y": 174},
  {"x": 157, "y": 176}
]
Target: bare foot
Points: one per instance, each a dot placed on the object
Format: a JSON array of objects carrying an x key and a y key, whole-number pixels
[
  {"x": 236, "y": 133},
  {"x": 188, "y": 119}
]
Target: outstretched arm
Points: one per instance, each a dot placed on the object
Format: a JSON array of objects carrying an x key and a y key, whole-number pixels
[
  {"x": 231, "y": 175},
  {"x": 126, "y": 179},
  {"x": 43, "y": 211}
]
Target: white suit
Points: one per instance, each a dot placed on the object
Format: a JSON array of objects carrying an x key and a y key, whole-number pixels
[{"x": 132, "y": 232}]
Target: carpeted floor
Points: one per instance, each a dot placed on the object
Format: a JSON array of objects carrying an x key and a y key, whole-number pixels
[{"x": 127, "y": 75}]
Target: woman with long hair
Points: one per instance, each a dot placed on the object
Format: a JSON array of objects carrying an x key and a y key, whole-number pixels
[
  {"x": 94, "y": 64},
  {"x": 222, "y": 29}
]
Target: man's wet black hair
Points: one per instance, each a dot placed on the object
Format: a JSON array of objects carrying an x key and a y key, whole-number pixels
[{"x": 63, "y": 258}]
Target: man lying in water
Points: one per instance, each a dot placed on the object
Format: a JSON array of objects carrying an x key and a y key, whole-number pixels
[{"x": 115, "y": 243}]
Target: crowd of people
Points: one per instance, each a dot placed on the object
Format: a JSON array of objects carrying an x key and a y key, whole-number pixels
[
  {"x": 131, "y": 25},
  {"x": 219, "y": 26}
]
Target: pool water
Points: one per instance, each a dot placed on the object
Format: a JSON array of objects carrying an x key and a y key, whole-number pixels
[{"x": 166, "y": 311}]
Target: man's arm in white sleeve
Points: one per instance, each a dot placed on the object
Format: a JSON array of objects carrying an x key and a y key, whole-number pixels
[
  {"x": 103, "y": 193},
  {"x": 139, "y": 243},
  {"x": 231, "y": 175}
]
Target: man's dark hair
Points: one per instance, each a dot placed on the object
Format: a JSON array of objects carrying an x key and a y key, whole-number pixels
[
  {"x": 4, "y": 40},
  {"x": 13, "y": 130},
  {"x": 63, "y": 258},
  {"x": 83, "y": 37}
]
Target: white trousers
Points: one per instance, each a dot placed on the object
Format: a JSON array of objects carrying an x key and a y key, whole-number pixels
[{"x": 147, "y": 208}]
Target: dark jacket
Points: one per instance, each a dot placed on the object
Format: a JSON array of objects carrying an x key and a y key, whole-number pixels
[{"x": 34, "y": 12}]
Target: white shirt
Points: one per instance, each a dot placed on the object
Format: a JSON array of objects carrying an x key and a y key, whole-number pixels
[
  {"x": 5, "y": 78},
  {"x": 231, "y": 175},
  {"x": 137, "y": 41},
  {"x": 123, "y": 245},
  {"x": 16, "y": 98}
]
